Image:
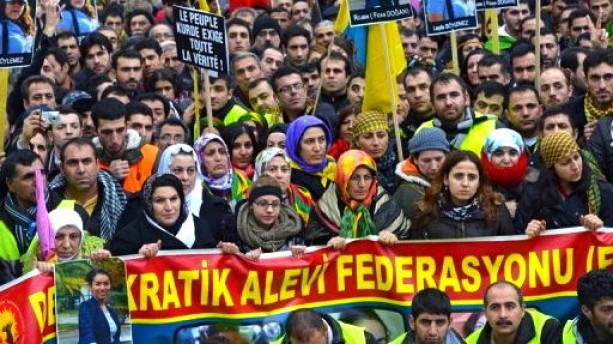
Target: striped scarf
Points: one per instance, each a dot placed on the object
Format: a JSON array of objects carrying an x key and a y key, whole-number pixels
[
  {"x": 302, "y": 202},
  {"x": 25, "y": 221}
]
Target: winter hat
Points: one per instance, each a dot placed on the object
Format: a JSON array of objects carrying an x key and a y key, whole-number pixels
[
  {"x": 265, "y": 22},
  {"x": 502, "y": 137},
  {"x": 368, "y": 122},
  {"x": 428, "y": 139},
  {"x": 556, "y": 147}
]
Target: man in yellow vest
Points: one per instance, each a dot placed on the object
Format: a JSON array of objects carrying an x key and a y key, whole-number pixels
[
  {"x": 430, "y": 320},
  {"x": 305, "y": 326},
  {"x": 464, "y": 128},
  {"x": 509, "y": 322},
  {"x": 594, "y": 324}
]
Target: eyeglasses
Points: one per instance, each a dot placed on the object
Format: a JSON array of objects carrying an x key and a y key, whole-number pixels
[
  {"x": 176, "y": 139},
  {"x": 293, "y": 87},
  {"x": 264, "y": 204}
]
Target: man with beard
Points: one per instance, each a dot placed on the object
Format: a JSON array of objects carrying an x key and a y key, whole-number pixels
[
  {"x": 595, "y": 322},
  {"x": 430, "y": 320},
  {"x": 509, "y": 322},
  {"x": 18, "y": 209},
  {"x": 524, "y": 112},
  {"x": 120, "y": 150},
  {"x": 550, "y": 50},
  {"x": 263, "y": 100},
  {"x": 598, "y": 102},
  {"x": 555, "y": 87},
  {"x": 417, "y": 85},
  {"x": 96, "y": 51},
  {"x": 571, "y": 61},
  {"x": 463, "y": 128},
  {"x": 127, "y": 67},
  {"x": 510, "y": 32},
  {"x": 91, "y": 187}
]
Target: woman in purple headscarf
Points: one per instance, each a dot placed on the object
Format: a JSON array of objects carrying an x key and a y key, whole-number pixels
[{"x": 307, "y": 142}]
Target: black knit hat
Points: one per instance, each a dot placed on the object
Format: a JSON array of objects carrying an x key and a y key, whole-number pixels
[{"x": 265, "y": 22}]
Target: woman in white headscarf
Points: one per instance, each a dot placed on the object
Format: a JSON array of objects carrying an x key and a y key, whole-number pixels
[{"x": 182, "y": 161}]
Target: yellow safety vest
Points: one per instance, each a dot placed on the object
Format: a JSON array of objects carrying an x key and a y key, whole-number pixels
[
  {"x": 538, "y": 319},
  {"x": 474, "y": 140}
]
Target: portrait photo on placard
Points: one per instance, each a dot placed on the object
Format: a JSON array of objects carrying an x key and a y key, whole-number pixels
[
  {"x": 444, "y": 16},
  {"x": 365, "y": 12},
  {"x": 17, "y": 32},
  {"x": 91, "y": 302}
]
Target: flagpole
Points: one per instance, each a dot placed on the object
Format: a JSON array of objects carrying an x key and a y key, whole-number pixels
[
  {"x": 392, "y": 83},
  {"x": 537, "y": 46},
  {"x": 455, "y": 65},
  {"x": 207, "y": 99}
]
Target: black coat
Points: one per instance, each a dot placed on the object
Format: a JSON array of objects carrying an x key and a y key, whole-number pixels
[
  {"x": 564, "y": 212},
  {"x": 448, "y": 228},
  {"x": 140, "y": 232},
  {"x": 600, "y": 146}
]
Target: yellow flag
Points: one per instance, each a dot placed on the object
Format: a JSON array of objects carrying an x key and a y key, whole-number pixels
[
  {"x": 384, "y": 62},
  {"x": 342, "y": 19}
]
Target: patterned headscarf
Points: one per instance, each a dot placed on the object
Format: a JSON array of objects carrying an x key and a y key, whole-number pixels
[
  {"x": 356, "y": 220},
  {"x": 503, "y": 137},
  {"x": 264, "y": 158},
  {"x": 223, "y": 183},
  {"x": 294, "y": 133},
  {"x": 557, "y": 146}
]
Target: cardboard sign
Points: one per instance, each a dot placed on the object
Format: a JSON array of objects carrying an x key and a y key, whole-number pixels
[
  {"x": 444, "y": 16},
  {"x": 365, "y": 12},
  {"x": 201, "y": 39}
]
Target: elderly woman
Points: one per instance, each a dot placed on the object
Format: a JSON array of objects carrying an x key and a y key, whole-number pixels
[
  {"x": 165, "y": 223},
  {"x": 71, "y": 241},
  {"x": 567, "y": 194},
  {"x": 182, "y": 161},
  {"x": 217, "y": 170},
  {"x": 307, "y": 142},
  {"x": 274, "y": 162},
  {"x": 461, "y": 203},
  {"x": 355, "y": 207},
  {"x": 505, "y": 160},
  {"x": 264, "y": 223},
  {"x": 371, "y": 134}
]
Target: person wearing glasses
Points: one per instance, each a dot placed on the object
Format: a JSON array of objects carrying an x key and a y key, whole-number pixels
[
  {"x": 275, "y": 163},
  {"x": 264, "y": 223},
  {"x": 355, "y": 207}
]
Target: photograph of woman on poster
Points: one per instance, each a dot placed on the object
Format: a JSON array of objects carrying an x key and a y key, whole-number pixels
[
  {"x": 98, "y": 321},
  {"x": 16, "y": 27}
]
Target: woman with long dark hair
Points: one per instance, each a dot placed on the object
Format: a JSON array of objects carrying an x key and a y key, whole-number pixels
[
  {"x": 461, "y": 203},
  {"x": 567, "y": 194},
  {"x": 98, "y": 321}
]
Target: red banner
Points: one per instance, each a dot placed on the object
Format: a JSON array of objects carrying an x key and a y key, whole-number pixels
[
  {"x": 27, "y": 309},
  {"x": 185, "y": 288}
]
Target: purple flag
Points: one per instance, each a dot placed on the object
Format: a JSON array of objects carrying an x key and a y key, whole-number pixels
[{"x": 43, "y": 227}]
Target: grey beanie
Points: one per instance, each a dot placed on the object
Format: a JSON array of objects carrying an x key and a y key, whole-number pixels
[{"x": 428, "y": 139}]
